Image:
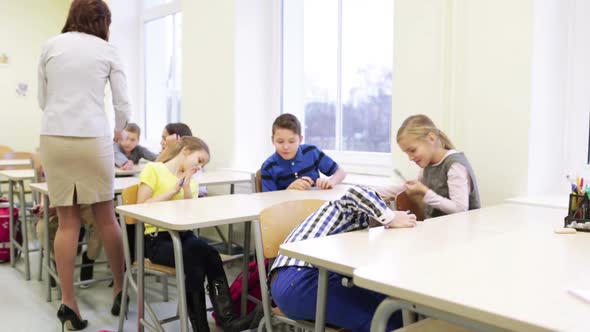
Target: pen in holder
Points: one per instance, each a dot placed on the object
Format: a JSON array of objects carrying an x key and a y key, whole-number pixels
[{"x": 578, "y": 212}]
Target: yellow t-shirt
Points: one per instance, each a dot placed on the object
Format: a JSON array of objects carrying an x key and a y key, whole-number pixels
[{"x": 158, "y": 177}]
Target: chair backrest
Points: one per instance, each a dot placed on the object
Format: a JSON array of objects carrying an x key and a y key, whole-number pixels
[
  {"x": 17, "y": 155},
  {"x": 4, "y": 149},
  {"x": 129, "y": 196},
  {"x": 258, "y": 181},
  {"x": 405, "y": 202},
  {"x": 277, "y": 221}
]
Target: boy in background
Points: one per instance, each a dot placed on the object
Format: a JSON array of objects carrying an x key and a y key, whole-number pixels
[
  {"x": 295, "y": 165},
  {"x": 128, "y": 152}
]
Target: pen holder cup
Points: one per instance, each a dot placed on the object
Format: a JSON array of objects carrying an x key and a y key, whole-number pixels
[{"x": 578, "y": 213}]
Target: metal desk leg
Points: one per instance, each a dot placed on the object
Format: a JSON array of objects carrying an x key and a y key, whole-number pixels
[
  {"x": 320, "y": 310},
  {"x": 47, "y": 256},
  {"x": 140, "y": 282},
  {"x": 25, "y": 231},
  {"x": 11, "y": 222},
  {"x": 382, "y": 314},
  {"x": 245, "y": 262},
  {"x": 230, "y": 227},
  {"x": 178, "y": 263}
]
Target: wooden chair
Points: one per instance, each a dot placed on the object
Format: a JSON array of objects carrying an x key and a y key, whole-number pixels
[
  {"x": 258, "y": 181},
  {"x": 4, "y": 149},
  {"x": 10, "y": 155},
  {"x": 275, "y": 224},
  {"x": 129, "y": 196},
  {"x": 405, "y": 202}
]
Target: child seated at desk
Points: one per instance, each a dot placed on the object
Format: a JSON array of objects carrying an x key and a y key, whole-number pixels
[
  {"x": 446, "y": 183},
  {"x": 171, "y": 179},
  {"x": 172, "y": 133},
  {"x": 128, "y": 152},
  {"x": 294, "y": 282},
  {"x": 295, "y": 165}
]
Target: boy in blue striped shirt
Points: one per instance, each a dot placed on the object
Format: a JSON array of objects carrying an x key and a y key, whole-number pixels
[
  {"x": 295, "y": 165},
  {"x": 294, "y": 282}
]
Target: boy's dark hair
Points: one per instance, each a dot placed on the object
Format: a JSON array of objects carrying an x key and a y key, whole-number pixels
[
  {"x": 92, "y": 17},
  {"x": 133, "y": 128},
  {"x": 287, "y": 121},
  {"x": 179, "y": 129}
]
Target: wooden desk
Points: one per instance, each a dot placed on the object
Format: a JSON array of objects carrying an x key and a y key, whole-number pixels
[
  {"x": 344, "y": 253},
  {"x": 182, "y": 215},
  {"x": 517, "y": 281},
  {"x": 18, "y": 177},
  {"x": 119, "y": 185}
]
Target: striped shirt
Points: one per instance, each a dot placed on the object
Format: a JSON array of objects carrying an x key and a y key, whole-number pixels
[
  {"x": 278, "y": 173},
  {"x": 349, "y": 213}
]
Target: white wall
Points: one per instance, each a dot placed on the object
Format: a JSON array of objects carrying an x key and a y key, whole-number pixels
[
  {"x": 257, "y": 80},
  {"x": 24, "y": 27},
  {"x": 490, "y": 110},
  {"x": 208, "y": 91},
  {"x": 229, "y": 66},
  {"x": 467, "y": 65},
  {"x": 124, "y": 34},
  {"x": 549, "y": 90}
]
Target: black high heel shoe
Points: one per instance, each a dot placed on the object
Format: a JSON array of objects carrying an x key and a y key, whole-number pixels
[
  {"x": 69, "y": 318},
  {"x": 116, "y": 308}
]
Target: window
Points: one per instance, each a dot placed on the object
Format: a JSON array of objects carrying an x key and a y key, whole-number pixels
[
  {"x": 162, "y": 46},
  {"x": 337, "y": 72}
]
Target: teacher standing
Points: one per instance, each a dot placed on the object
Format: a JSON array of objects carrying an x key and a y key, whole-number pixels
[{"x": 76, "y": 143}]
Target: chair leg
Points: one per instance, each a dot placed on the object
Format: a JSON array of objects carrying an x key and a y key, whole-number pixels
[
  {"x": 164, "y": 280},
  {"x": 40, "y": 277},
  {"x": 124, "y": 304}
]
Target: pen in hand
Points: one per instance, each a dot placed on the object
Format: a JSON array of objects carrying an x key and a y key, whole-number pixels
[{"x": 399, "y": 174}]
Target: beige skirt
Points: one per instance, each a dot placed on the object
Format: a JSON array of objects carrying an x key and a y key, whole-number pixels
[{"x": 83, "y": 167}]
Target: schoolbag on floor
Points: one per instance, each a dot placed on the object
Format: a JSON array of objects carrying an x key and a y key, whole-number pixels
[
  {"x": 235, "y": 289},
  {"x": 5, "y": 231}
]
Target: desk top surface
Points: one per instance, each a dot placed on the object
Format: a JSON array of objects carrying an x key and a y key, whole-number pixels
[
  {"x": 217, "y": 210},
  {"x": 517, "y": 281}
]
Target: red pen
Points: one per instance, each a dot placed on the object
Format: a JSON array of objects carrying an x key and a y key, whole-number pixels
[{"x": 581, "y": 186}]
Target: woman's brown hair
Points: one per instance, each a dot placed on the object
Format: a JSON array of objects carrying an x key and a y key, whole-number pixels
[
  {"x": 189, "y": 143},
  {"x": 89, "y": 16}
]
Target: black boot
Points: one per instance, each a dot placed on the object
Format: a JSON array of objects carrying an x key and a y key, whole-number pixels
[
  {"x": 197, "y": 310},
  {"x": 224, "y": 307}
]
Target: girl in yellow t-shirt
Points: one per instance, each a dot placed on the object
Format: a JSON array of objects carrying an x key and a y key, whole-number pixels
[{"x": 171, "y": 179}]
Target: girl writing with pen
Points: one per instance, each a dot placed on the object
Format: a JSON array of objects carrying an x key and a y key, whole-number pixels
[{"x": 446, "y": 183}]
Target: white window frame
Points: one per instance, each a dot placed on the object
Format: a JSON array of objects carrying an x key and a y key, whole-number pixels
[
  {"x": 373, "y": 163},
  {"x": 147, "y": 15}
]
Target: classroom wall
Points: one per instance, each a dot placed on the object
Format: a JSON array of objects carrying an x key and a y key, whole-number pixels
[
  {"x": 24, "y": 26},
  {"x": 228, "y": 60},
  {"x": 468, "y": 66}
]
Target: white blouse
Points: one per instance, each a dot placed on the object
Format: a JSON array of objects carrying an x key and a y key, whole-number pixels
[{"x": 73, "y": 72}]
